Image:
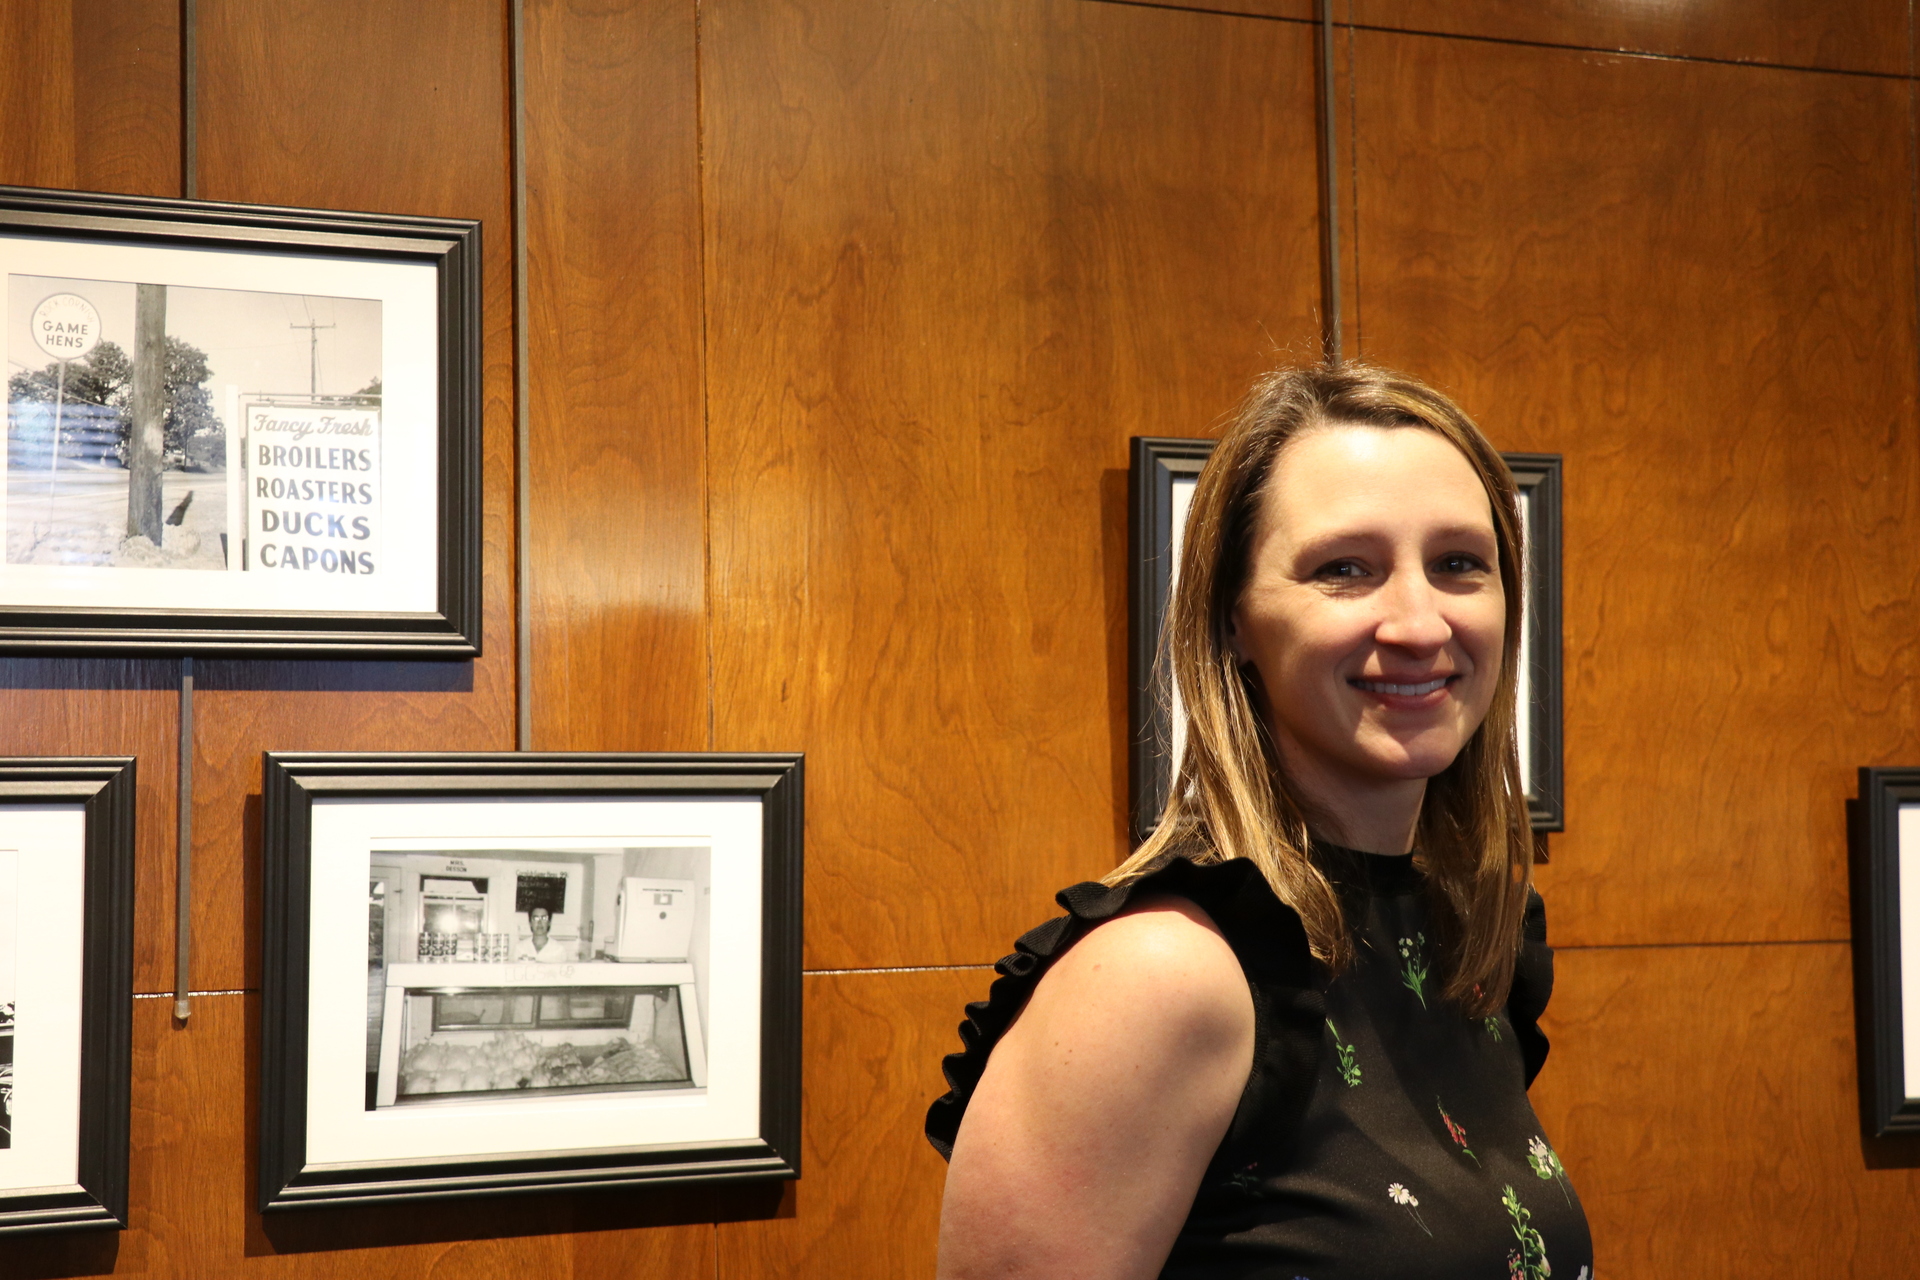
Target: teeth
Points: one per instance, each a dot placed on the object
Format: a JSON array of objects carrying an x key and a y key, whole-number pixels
[{"x": 1409, "y": 690}]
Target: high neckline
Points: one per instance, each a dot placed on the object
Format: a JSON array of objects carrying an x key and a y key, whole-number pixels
[{"x": 1382, "y": 874}]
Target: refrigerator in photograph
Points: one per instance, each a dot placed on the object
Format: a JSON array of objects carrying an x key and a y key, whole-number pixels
[{"x": 653, "y": 919}]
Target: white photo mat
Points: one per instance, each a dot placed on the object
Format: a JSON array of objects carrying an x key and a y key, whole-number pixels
[
  {"x": 342, "y": 1133},
  {"x": 407, "y": 582},
  {"x": 47, "y": 846}
]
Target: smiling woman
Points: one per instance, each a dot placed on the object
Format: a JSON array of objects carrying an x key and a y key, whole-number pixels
[{"x": 1292, "y": 1034}]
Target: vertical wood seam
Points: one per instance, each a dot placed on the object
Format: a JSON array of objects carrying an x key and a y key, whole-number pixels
[
  {"x": 706, "y": 379},
  {"x": 522, "y": 394},
  {"x": 1353, "y": 172},
  {"x": 1330, "y": 313},
  {"x": 189, "y": 93}
]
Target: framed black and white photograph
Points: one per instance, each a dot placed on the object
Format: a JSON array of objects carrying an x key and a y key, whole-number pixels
[
  {"x": 66, "y": 991},
  {"x": 521, "y": 972},
  {"x": 1163, "y": 474},
  {"x": 1885, "y": 856},
  {"x": 238, "y": 429}
]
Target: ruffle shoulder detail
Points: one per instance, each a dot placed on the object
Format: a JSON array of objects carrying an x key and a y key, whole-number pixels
[
  {"x": 1532, "y": 987},
  {"x": 1266, "y": 936}
]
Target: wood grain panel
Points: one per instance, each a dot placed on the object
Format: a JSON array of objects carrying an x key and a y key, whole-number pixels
[
  {"x": 127, "y": 112},
  {"x": 90, "y": 94},
  {"x": 957, "y": 255},
  {"x": 419, "y": 126},
  {"x": 1703, "y": 1101},
  {"x": 1696, "y": 282},
  {"x": 617, "y": 422},
  {"x": 1867, "y": 35},
  {"x": 191, "y": 1192},
  {"x": 868, "y": 1201},
  {"x": 111, "y": 707}
]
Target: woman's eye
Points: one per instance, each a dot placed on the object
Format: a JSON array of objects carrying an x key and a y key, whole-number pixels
[
  {"x": 1340, "y": 569},
  {"x": 1460, "y": 562}
]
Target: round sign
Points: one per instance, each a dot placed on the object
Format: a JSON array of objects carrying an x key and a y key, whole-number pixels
[{"x": 66, "y": 326}]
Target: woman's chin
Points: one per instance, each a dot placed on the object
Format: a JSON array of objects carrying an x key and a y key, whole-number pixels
[{"x": 1409, "y": 762}]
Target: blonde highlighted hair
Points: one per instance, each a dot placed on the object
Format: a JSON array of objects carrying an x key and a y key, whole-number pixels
[{"x": 1231, "y": 797}]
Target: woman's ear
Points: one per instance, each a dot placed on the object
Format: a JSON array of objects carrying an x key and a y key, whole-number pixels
[{"x": 1233, "y": 639}]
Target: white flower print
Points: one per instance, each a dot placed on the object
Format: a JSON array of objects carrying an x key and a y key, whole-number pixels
[{"x": 1408, "y": 1201}]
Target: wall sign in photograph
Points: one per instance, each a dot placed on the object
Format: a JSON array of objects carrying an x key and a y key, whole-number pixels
[
  {"x": 238, "y": 429},
  {"x": 578, "y": 971},
  {"x": 1163, "y": 475},
  {"x": 1885, "y": 839},
  {"x": 66, "y": 991}
]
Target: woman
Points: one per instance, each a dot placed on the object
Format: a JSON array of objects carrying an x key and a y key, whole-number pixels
[{"x": 1291, "y": 1035}]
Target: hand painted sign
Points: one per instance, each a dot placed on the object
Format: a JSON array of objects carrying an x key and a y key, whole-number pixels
[{"x": 313, "y": 489}]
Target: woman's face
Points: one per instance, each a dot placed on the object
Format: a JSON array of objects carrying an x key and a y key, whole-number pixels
[
  {"x": 1373, "y": 610},
  {"x": 539, "y": 922}
]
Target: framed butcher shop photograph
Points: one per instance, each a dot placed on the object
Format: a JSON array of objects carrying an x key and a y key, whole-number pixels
[{"x": 490, "y": 973}]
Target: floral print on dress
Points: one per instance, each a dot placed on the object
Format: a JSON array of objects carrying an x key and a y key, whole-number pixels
[
  {"x": 1349, "y": 1065},
  {"x": 1408, "y": 1201},
  {"x": 1493, "y": 1028},
  {"x": 1546, "y": 1165},
  {"x": 1413, "y": 966},
  {"x": 1529, "y": 1260},
  {"x": 1458, "y": 1134}
]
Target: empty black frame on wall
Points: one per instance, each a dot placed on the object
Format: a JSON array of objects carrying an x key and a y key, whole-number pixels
[{"x": 1162, "y": 474}]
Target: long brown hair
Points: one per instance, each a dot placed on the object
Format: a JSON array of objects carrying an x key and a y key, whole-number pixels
[{"x": 1231, "y": 797}]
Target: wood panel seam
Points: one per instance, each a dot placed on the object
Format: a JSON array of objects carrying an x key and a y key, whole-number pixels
[
  {"x": 1560, "y": 949},
  {"x": 706, "y": 372},
  {"x": 1212, "y": 13},
  {"x": 1646, "y": 54}
]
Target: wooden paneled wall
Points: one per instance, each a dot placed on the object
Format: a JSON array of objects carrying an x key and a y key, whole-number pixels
[{"x": 839, "y": 317}]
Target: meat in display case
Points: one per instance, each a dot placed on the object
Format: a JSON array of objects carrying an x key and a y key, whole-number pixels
[{"x": 464, "y": 1032}]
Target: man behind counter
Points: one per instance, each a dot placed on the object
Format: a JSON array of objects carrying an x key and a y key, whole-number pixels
[{"x": 542, "y": 946}]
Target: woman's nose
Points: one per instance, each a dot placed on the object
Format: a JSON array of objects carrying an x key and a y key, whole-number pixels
[{"x": 1410, "y": 615}]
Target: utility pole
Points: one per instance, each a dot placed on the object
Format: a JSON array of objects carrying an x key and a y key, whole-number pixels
[
  {"x": 313, "y": 353},
  {"x": 146, "y": 437}
]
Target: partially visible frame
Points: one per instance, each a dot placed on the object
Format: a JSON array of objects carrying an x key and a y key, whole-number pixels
[
  {"x": 1542, "y": 749},
  {"x": 1885, "y": 840},
  {"x": 1163, "y": 473},
  {"x": 66, "y": 847},
  {"x": 1160, "y": 482},
  {"x": 580, "y": 971},
  {"x": 302, "y": 479}
]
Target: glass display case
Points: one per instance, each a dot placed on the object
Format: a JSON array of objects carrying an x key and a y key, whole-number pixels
[{"x": 461, "y": 1032}]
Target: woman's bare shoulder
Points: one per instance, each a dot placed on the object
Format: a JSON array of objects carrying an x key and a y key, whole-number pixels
[{"x": 1099, "y": 1109}]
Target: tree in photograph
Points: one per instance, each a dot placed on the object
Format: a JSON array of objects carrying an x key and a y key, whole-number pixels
[{"x": 195, "y": 435}]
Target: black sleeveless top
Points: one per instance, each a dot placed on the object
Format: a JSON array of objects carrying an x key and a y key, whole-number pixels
[{"x": 1382, "y": 1134}]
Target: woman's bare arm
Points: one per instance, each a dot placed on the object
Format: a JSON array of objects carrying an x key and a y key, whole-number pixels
[{"x": 1086, "y": 1139}]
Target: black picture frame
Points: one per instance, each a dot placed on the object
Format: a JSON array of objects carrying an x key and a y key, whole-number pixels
[
  {"x": 452, "y": 628},
  {"x": 292, "y": 783},
  {"x": 1537, "y": 476},
  {"x": 1888, "y": 1106},
  {"x": 1158, "y": 464},
  {"x": 104, "y": 786}
]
